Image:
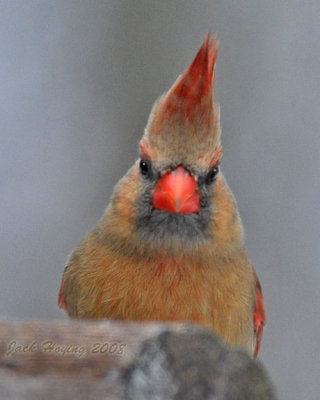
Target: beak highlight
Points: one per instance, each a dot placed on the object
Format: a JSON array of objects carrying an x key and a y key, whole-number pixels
[{"x": 176, "y": 192}]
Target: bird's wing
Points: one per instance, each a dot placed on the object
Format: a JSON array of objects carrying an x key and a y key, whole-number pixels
[{"x": 259, "y": 314}]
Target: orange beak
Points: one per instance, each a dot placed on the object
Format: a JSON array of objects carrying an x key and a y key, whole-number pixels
[{"x": 177, "y": 192}]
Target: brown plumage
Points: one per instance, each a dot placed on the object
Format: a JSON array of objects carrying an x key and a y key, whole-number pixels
[{"x": 170, "y": 245}]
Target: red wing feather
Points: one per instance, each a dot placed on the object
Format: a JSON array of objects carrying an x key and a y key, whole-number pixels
[
  {"x": 259, "y": 314},
  {"x": 61, "y": 300}
]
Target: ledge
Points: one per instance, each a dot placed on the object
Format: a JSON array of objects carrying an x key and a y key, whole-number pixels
[{"x": 58, "y": 359}]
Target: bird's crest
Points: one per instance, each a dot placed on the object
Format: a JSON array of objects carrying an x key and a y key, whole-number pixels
[
  {"x": 194, "y": 87},
  {"x": 187, "y": 113}
]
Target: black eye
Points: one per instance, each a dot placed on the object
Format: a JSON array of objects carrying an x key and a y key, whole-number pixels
[
  {"x": 212, "y": 174},
  {"x": 144, "y": 167}
]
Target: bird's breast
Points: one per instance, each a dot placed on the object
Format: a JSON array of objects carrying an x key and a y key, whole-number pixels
[{"x": 166, "y": 290}]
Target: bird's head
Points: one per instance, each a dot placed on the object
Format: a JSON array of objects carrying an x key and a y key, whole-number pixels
[
  {"x": 180, "y": 152},
  {"x": 176, "y": 183}
]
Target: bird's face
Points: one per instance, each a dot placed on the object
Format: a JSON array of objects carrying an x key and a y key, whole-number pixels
[{"x": 176, "y": 200}]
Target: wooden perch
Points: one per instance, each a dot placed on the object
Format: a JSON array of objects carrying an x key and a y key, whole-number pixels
[{"x": 119, "y": 360}]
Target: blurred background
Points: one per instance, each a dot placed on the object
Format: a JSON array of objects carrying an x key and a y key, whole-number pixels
[{"x": 77, "y": 81}]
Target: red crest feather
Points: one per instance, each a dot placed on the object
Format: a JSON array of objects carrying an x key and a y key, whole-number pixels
[
  {"x": 194, "y": 87},
  {"x": 186, "y": 114}
]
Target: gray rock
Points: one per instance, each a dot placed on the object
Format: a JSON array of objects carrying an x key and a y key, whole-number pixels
[{"x": 194, "y": 365}]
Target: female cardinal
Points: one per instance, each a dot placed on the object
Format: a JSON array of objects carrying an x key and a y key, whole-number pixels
[{"x": 170, "y": 244}]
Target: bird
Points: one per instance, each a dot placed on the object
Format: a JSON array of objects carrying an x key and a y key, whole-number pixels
[{"x": 170, "y": 245}]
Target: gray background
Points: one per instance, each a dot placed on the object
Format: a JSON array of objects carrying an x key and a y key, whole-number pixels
[{"x": 77, "y": 81}]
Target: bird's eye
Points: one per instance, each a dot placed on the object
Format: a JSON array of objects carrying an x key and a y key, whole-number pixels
[
  {"x": 212, "y": 174},
  {"x": 144, "y": 167}
]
